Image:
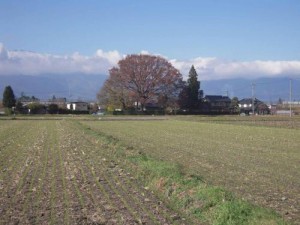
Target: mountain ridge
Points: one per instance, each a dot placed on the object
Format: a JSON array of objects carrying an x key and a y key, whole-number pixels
[{"x": 85, "y": 87}]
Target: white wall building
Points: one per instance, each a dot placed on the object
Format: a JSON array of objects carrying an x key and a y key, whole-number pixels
[{"x": 77, "y": 106}]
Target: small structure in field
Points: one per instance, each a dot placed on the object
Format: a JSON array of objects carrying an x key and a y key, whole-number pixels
[
  {"x": 78, "y": 106},
  {"x": 246, "y": 106}
]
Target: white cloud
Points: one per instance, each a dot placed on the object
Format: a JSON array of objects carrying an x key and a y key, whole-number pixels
[
  {"x": 144, "y": 52},
  {"x": 209, "y": 68},
  {"x": 31, "y": 63},
  {"x": 3, "y": 53},
  {"x": 216, "y": 69},
  {"x": 112, "y": 56}
]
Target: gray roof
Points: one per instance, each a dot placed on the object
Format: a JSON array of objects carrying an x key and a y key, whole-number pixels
[{"x": 218, "y": 98}]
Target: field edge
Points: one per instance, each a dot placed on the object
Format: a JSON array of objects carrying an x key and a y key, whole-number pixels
[{"x": 187, "y": 193}]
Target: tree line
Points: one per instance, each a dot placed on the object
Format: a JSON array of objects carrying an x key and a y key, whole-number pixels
[
  {"x": 138, "y": 83},
  {"x": 142, "y": 80},
  {"x": 14, "y": 105}
]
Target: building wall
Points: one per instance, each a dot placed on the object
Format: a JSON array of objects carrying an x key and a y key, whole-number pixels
[{"x": 78, "y": 106}]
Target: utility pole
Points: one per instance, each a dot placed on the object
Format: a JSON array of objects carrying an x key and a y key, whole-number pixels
[
  {"x": 290, "y": 97},
  {"x": 253, "y": 100}
]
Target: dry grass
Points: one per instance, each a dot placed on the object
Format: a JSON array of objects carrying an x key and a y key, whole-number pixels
[{"x": 259, "y": 163}]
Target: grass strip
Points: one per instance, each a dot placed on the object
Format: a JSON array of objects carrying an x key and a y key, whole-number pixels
[
  {"x": 123, "y": 188},
  {"x": 209, "y": 204},
  {"x": 189, "y": 193},
  {"x": 111, "y": 154},
  {"x": 110, "y": 182}
]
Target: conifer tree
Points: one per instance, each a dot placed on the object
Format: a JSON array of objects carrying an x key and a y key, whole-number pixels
[
  {"x": 9, "y": 99},
  {"x": 193, "y": 88}
]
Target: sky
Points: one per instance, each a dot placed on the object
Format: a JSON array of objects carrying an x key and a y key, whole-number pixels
[{"x": 223, "y": 39}]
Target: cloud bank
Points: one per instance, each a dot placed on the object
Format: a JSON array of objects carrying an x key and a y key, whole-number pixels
[
  {"x": 31, "y": 63},
  {"x": 208, "y": 68},
  {"x": 216, "y": 69}
]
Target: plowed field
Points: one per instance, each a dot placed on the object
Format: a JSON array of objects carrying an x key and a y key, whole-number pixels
[
  {"x": 52, "y": 172},
  {"x": 257, "y": 160}
]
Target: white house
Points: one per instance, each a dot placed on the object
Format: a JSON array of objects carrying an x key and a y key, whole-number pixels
[{"x": 78, "y": 106}]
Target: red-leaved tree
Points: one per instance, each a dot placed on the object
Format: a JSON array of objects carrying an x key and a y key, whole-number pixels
[{"x": 142, "y": 78}]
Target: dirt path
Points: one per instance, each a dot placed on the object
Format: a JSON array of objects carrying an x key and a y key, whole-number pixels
[{"x": 57, "y": 174}]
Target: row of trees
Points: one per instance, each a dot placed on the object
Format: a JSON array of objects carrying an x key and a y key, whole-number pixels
[
  {"x": 140, "y": 80},
  {"x": 14, "y": 105},
  {"x": 191, "y": 95},
  {"x": 143, "y": 79}
]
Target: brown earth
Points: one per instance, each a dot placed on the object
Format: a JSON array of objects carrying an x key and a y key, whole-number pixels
[{"x": 54, "y": 173}]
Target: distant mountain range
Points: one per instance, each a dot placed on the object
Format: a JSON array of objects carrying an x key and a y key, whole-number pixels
[
  {"x": 71, "y": 86},
  {"x": 86, "y": 87},
  {"x": 265, "y": 89}
]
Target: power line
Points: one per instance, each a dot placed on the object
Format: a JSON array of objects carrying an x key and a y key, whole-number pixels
[
  {"x": 253, "y": 94},
  {"x": 290, "y": 97}
]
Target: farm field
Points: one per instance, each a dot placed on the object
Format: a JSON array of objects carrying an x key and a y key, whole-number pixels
[
  {"x": 266, "y": 121},
  {"x": 52, "y": 172},
  {"x": 257, "y": 160}
]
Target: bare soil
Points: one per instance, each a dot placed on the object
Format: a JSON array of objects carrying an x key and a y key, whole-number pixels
[{"x": 57, "y": 174}]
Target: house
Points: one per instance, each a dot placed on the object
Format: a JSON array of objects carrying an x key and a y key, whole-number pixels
[
  {"x": 78, "y": 106},
  {"x": 246, "y": 106},
  {"x": 273, "y": 109},
  {"x": 61, "y": 102},
  {"x": 217, "y": 104}
]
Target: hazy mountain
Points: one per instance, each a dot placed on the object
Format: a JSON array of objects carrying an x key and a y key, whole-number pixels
[
  {"x": 266, "y": 89},
  {"x": 85, "y": 87},
  {"x": 71, "y": 86}
]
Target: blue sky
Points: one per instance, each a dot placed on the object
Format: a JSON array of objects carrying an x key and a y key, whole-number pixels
[
  {"x": 240, "y": 37},
  {"x": 233, "y": 29}
]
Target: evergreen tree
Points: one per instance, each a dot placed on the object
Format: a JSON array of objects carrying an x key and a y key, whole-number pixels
[
  {"x": 234, "y": 105},
  {"x": 53, "y": 108},
  {"x": 183, "y": 98},
  {"x": 193, "y": 88},
  {"x": 9, "y": 99}
]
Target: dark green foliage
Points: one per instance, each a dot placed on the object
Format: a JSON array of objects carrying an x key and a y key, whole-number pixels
[
  {"x": 234, "y": 105},
  {"x": 184, "y": 100},
  {"x": 25, "y": 98},
  {"x": 9, "y": 99},
  {"x": 53, "y": 109},
  {"x": 189, "y": 96},
  {"x": 36, "y": 108},
  {"x": 193, "y": 87},
  {"x": 20, "y": 108}
]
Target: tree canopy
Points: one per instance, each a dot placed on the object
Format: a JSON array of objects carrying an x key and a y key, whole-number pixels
[
  {"x": 189, "y": 96},
  {"x": 141, "y": 79},
  {"x": 193, "y": 87},
  {"x": 234, "y": 105},
  {"x": 9, "y": 99}
]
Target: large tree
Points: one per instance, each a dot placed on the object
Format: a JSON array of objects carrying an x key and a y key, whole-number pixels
[
  {"x": 9, "y": 99},
  {"x": 141, "y": 79},
  {"x": 113, "y": 95},
  {"x": 190, "y": 94}
]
